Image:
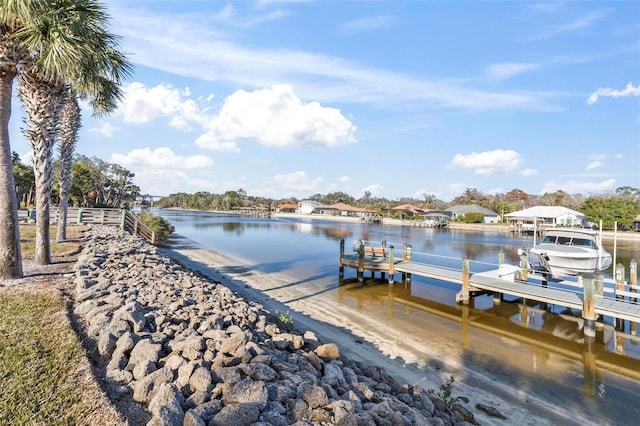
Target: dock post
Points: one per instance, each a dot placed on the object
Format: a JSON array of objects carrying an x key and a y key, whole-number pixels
[
  {"x": 599, "y": 291},
  {"x": 524, "y": 266},
  {"x": 497, "y": 297},
  {"x": 408, "y": 259},
  {"x": 619, "y": 277},
  {"x": 465, "y": 280},
  {"x": 341, "y": 267},
  {"x": 391, "y": 265},
  {"x": 588, "y": 304},
  {"x": 361, "y": 262},
  {"x": 633, "y": 277}
]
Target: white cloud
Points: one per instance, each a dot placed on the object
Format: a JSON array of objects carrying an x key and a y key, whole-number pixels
[
  {"x": 488, "y": 162},
  {"x": 369, "y": 23},
  {"x": 344, "y": 179},
  {"x": 580, "y": 24},
  {"x": 529, "y": 172},
  {"x": 594, "y": 165},
  {"x": 276, "y": 117},
  {"x": 629, "y": 90},
  {"x": 375, "y": 190},
  {"x": 298, "y": 181},
  {"x": 573, "y": 187},
  {"x": 212, "y": 55},
  {"x": 105, "y": 129},
  {"x": 142, "y": 104},
  {"x": 160, "y": 158},
  {"x": 509, "y": 69}
]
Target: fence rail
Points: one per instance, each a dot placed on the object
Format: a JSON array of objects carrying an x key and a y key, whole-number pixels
[{"x": 111, "y": 217}]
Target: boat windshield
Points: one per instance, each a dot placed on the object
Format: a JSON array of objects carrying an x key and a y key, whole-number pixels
[
  {"x": 582, "y": 242},
  {"x": 549, "y": 239}
]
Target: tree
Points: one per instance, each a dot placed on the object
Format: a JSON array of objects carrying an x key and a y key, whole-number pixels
[
  {"x": 94, "y": 68},
  {"x": 41, "y": 98},
  {"x": 69, "y": 127},
  {"x": 24, "y": 180}
]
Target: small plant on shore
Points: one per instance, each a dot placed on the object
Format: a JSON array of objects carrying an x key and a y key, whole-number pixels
[
  {"x": 445, "y": 392},
  {"x": 161, "y": 227},
  {"x": 284, "y": 321}
]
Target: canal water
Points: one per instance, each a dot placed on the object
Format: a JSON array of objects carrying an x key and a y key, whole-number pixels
[{"x": 539, "y": 350}]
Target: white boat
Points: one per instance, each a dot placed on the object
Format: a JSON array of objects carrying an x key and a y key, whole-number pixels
[{"x": 568, "y": 251}]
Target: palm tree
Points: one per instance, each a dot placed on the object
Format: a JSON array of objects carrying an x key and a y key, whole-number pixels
[
  {"x": 72, "y": 46},
  {"x": 42, "y": 101},
  {"x": 69, "y": 125}
]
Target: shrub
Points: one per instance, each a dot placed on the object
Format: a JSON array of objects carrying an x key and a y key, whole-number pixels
[
  {"x": 284, "y": 321},
  {"x": 445, "y": 393},
  {"x": 472, "y": 217},
  {"x": 161, "y": 227}
]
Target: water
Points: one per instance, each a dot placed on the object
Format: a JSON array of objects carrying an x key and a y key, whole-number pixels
[{"x": 538, "y": 349}]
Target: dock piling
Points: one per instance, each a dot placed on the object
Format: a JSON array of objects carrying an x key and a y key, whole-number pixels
[
  {"x": 465, "y": 280},
  {"x": 391, "y": 265},
  {"x": 588, "y": 304}
]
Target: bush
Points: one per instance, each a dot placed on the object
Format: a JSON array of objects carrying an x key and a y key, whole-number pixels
[
  {"x": 472, "y": 217},
  {"x": 161, "y": 227}
]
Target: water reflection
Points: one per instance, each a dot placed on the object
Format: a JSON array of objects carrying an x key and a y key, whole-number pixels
[{"x": 549, "y": 337}]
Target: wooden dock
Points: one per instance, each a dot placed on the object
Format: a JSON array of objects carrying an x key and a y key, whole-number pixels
[{"x": 592, "y": 294}]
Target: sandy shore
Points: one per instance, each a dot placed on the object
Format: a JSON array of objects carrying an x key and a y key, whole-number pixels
[{"x": 373, "y": 340}]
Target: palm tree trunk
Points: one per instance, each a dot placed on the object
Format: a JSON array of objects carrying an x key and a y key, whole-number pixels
[
  {"x": 10, "y": 255},
  {"x": 69, "y": 128},
  {"x": 42, "y": 168}
]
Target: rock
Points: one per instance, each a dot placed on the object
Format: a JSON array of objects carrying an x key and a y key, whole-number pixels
[
  {"x": 145, "y": 388},
  {"x": 143, "y": 352},
  {"x": 248, "y": 391},
  {"x": 260, "y": 372},
  {"x": 314, "y": 396},
  {"x": 328, "y": 351},
  {"x": 200, "y": 380},
  {"x": 237, "y": 415},
  {"x": 166, "y": 405},
  {"x": 491, "y": 411}
]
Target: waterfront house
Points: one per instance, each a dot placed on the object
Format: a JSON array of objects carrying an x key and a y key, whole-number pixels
[
  {"x": 287, "y": 208},
  {"x": 635, "y": 226},
  {"x": 408, "y": 210},
  {"x": 548, "y": 216},
  {"x": 308, "y": 206},
  {"x": 460, "y": 210}
]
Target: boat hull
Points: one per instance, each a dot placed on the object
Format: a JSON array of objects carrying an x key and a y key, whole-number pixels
[{"x": 571, "y": 261}]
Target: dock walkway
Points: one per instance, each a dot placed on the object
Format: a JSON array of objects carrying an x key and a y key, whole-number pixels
[{"x": 587, "y": 295}]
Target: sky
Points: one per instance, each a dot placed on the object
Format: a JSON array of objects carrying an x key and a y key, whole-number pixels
[{"x": 392, "y": 98}]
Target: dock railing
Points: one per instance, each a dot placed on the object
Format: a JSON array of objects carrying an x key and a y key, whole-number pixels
[{"x": 124, "y": 219}]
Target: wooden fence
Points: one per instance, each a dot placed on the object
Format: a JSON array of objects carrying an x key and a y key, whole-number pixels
[{"x": 111, "y": 217}]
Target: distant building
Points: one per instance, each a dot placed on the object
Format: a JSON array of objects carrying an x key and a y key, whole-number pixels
[
  {"x": 409, "y": 210},
  {"x": 461, "y": 210},
  {"x": 307, "y": 206},
  {"x": 635, "y": 226},
  {"x": 287, "y": 208},
  {"x": 549, "y": 216}
]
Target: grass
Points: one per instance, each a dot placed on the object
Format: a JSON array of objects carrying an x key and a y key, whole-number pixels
[
  {"x": 28, "y": 240},
  {"x": 44, "y": 373}
]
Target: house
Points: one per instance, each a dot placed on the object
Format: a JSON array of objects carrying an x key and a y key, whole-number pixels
[
  {"x": 461, "y": 210},
  {"x": 550, "y": 216},
  {"x": 308, "y": 206},
  {"x": 287, "y": 208},
  {"x": 409, "y": 210},
  {"x": 635, "y": 226},
  {"x": 342, "y": 209}
]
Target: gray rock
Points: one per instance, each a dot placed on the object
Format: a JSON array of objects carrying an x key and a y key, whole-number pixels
[
  {"x": 200, "y": 380},
  {"x": 143, "y": 352},
  {"x": 145, "y": 388},
  {"x": 248, "y": 391},
  {"x": 166, "y": 405},
  {"x": 237, "y": 415},
  {"x": 260, "y": 372},
  {"x": 314, "y": 396}
]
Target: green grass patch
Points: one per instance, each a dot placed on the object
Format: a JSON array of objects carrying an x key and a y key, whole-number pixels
[
  {"x": 28, "y": 240},
  {"x": 40, "y": 364}
]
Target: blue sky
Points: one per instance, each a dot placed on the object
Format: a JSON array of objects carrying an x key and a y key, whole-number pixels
[{"x": 398, "y": 98}]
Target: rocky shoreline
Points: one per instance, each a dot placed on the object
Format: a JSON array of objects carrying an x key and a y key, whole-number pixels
[{"x": 176, "y": 348}]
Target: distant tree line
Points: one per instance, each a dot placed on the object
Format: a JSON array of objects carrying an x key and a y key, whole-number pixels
[
  {"x": 621, "y": 206},
  {"x": 94, "y": 183}
]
